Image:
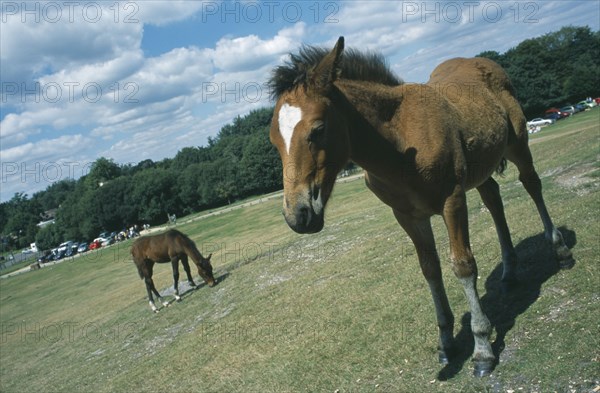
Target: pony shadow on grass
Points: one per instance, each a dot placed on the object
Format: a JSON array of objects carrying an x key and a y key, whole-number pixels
[
  {"x": 536, "y": 264},
  {"x": 185, "y": 290}
]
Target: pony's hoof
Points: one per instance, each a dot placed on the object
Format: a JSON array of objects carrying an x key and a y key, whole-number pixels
[
  {"x": 178, "y": 298},
  {"x": 483, "y": 368},
  {"x": 445, "y": 354},
  {"x": 565, "y": 257},
  {"x": 566, "y": 264},
  {"x": 443, "y": 357}
]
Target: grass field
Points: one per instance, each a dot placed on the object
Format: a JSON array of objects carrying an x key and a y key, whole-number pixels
[{"x": 345, "y": 310}]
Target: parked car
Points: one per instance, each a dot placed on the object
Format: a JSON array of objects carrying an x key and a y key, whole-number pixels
[
  {"x": 95, "y": 244},
  {"x": 587, "y": 104},
  {"x": 72, "y": 250},
  {"x": 83, "y": 246},
  {"x": 553, "y": 116},
  {"x": 106, "y": 238},
  {"x": 46, "y": 256},
  {"x": 65, "y": 246},
  {"x": 60, "y": 254},
  {"x": 538, "y": 121},
  {"x": 556, "y": 111},
  {"x": 569, "y": 109}
]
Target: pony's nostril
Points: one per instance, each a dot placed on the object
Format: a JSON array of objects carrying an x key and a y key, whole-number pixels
[
  {"x": 316, "y": 190},
  {"x": 303, "y": 216}
]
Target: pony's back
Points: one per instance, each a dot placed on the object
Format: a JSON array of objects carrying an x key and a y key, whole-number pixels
[
  {"x": 480, "y": 81},
  {"x": 469, "y": 72}
]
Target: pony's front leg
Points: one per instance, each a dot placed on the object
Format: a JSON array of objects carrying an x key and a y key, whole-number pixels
[
  {"x": 465, "y": 268},
  {"x": 160, "y": 299},
  {"x": 422, "y": 236},
  {"x": 150, "y": 288},
  {"x": 148, "y": 282},
  {"x": 186, "y": 267}
]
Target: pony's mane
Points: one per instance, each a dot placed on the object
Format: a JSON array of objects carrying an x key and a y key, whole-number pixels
[{"x": 355, "y": 65}]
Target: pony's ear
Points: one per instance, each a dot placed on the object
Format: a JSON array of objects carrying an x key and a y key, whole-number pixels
[
  {"x": 209, "y": 255},
  {"x": 322, "y": 76}
]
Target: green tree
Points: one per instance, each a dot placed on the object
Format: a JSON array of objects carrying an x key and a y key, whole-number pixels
[
  {"x": 48, "y": 237},
  {"x": 189, "y": 184},
  {"x": 260, "y": 167},
  {"x": 22, "y": 218},
  {"x": 54, "y": 194},
  {"x": 155, "y": 193},
  {"x": 555, "y": 69},
  {"x": 116, "y": 209},
  {"x": 584, "y": 80},
  {"x": 101, "y": 171},
  {"x": 190, "y": 155}
]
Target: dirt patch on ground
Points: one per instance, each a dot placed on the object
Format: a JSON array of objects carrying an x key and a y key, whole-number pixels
[
  {"x": 579, "y": 179},
  {"x": 549, "y": 137}
]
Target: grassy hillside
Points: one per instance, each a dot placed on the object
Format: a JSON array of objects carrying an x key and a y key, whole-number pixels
[{"x": 345, "y": 310}]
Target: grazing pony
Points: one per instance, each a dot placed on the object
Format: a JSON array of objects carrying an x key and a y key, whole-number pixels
[
  {"x": 171, "y": 246},
  {"x": 422, "y": 147}
]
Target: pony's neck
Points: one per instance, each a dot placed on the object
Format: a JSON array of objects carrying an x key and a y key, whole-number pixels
[
  {"x": 368, "y": 108},
  {"x": 193, "y": 252}
]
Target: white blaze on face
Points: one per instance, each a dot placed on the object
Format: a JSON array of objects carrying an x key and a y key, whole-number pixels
[{"x": 289, "y": 116}]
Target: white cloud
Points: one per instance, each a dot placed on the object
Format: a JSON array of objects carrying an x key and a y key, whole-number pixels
[
  {"x": 40, "y": 37},
  {"x": 32, "y": 167},
  {"x": 31, "y": 48},
  {"x": 44, "y": 149},
  {"x": 251, "y": 52},
  {"x": 417, "y": 36},
  {"x": 161, "y": 13}
]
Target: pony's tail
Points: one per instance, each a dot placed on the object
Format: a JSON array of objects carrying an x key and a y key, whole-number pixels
[{"x": 501, "y": 166}]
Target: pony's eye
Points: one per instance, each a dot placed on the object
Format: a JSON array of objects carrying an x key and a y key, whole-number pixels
[{"x": 317, "y": 134}]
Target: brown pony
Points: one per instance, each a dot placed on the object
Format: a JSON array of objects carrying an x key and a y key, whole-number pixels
[
  {"x": 423, "y": 146},
  {"x": 171, "y": 246}
]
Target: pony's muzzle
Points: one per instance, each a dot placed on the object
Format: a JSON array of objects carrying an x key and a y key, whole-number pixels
[{"x": 304, "y": 220}]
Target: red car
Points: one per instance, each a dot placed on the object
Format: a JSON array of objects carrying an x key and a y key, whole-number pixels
[
  {"x": 557, "y": 111},
  {"x": 95, "y": 244}
]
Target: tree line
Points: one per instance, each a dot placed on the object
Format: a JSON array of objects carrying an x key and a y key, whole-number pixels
[{"x": 554, "y": 69}]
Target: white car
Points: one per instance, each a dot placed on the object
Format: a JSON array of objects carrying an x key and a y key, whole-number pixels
[
  {"x": 540, "y": 122},
  {"x": 64, "y": 246}
]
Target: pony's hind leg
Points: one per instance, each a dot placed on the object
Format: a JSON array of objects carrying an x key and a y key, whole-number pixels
[
  {"x": 490, "y": 195},
  {"x": 186, "y": 267},
  {"x": 422, "y": 236},
  {"x": 520, "y": 155}
]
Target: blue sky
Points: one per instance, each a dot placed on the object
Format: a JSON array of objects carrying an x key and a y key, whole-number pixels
[{"x": 135, "y": 80}]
